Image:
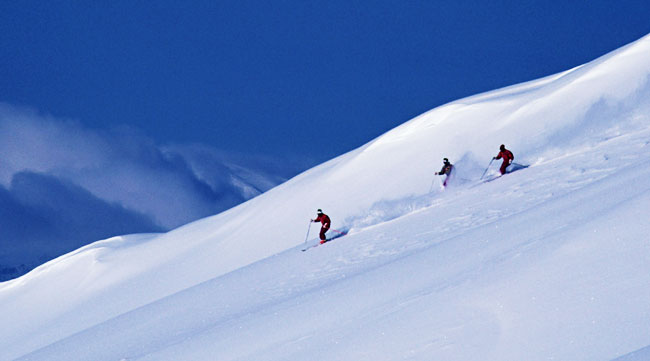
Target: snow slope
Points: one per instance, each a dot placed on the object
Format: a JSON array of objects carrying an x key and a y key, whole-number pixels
[{"x": 548, "y": 262}]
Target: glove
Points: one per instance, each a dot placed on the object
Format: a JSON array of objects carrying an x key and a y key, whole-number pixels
[{"x": 437, "y": 173}]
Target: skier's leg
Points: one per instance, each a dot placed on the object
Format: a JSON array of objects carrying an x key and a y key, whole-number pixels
[{"x": 322, "y": 234}]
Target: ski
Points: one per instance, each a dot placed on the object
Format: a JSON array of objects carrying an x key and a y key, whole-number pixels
[
  {"x": 314, "y": 246},
  {"x": 338, "y": 234}
]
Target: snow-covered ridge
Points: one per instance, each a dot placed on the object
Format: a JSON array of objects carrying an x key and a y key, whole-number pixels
[
  {"x": 64, "y": 185},
  {"x": 477, "y": 250}
]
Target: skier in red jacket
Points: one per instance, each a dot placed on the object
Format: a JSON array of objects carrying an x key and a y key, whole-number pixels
[
  {"x": 507, "y": 156},
  {"x": 325, "y": 221}
]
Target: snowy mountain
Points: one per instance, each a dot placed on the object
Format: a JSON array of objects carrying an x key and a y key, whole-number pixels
[
  {"x": 547, "y": 262},
  {"x": 63, "y": 185}
]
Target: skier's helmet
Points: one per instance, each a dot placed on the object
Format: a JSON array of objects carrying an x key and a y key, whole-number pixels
[
  {"x": 502, "y": 147},
  {"x": 320, "y": 211}
]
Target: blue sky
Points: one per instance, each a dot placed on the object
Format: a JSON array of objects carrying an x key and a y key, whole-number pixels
[
  {"x": 315, "y": 78},
  {"x": 133, "y": 116}
]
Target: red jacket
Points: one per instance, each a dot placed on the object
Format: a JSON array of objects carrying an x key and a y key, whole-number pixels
[
  {"x": 324, "y": 219},
  {"x": 506, "y": 155}
]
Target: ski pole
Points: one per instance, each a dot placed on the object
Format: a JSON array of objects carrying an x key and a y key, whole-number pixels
[
  {"x": 432, "y": 182},
  {"x": 488, "y": 167},
  {"x": 308, "y": 229}
]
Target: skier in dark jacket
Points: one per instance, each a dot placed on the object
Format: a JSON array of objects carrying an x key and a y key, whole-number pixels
[
  {"x": 446, "y": 170},
  {"x": 507, "y": 156},
  {"x": 325, "y": 221}
]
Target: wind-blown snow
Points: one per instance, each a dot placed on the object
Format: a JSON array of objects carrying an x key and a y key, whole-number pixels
[
  {"x": 548, "y": 262},
  {"x": 63, "y": 185}
]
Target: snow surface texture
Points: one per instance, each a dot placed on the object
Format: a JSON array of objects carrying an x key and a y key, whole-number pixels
[{"x": 546, "y": 263}]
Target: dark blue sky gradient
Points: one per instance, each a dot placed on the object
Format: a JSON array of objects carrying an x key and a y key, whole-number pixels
[{"x": 316, "y": 78}]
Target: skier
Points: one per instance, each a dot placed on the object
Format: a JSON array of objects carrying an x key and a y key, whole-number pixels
[
  {"x": 445, "y": 170},
  {"x": 507, "y": 156},
  {"x": 325, "y": 221}
]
